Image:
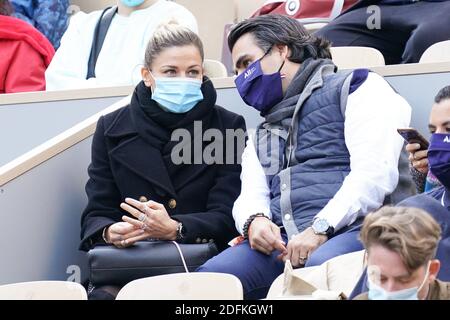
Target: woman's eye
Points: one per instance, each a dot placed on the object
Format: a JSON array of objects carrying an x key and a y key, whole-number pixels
[
  {"x": 193, "y": 73},
  {"x": 447, "y": 130},
  {"x": 170, "y": 72},
  {"x": 246, "y": 63}
]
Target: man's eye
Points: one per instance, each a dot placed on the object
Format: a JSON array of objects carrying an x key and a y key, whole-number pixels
[
  {"x": 447, "y": 130},
  {"x": 246, "y": 63},
  {"x": 404, "y": 281}
]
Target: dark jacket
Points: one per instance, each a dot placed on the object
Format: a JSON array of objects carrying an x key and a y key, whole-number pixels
[
  {"x": 367, "y": 3},
  {"x": 126, "y": 163}
]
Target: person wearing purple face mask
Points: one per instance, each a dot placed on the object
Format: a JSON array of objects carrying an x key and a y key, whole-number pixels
[
  {"x": 437, "y": 201},
  {"x": 439, "y": 123},
  {"x": 326, "y": 154}
]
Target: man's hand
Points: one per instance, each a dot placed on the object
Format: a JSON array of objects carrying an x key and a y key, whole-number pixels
[
  {"x": 302, "y": 245},
  {"x": 417, "y": 157},
  {"x": 265, "y": 236}
]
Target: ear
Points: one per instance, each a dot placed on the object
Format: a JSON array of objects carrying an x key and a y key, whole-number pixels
[
  {"x": 147, "y": 76},
  {"x": 435, "y": 266},
  {"x": 283, "y": 50}
]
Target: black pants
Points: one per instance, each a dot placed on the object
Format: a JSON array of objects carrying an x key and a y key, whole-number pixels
[{"x": 406, "y": 31}]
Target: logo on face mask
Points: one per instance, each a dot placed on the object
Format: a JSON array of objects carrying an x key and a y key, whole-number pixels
[
  {"x": 259, "y": 90},
  {"x": 248, "y": 73},
  {"x": 447, "y": 139}
]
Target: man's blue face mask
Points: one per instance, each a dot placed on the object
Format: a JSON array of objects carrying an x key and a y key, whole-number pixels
[
  {"x": 177, "y": 95},
  {"x": 132, "y": 3}
]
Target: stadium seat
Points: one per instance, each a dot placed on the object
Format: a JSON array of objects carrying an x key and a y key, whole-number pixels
[
  {"x": 184, "y": 286},
  {"x": 43, "y": 290},
  {"x": 438, "y": 52},
  {"x": 313, "y": 27},
  {"x": 215, "y": 69},
  {"x": 356, "y": 57}
]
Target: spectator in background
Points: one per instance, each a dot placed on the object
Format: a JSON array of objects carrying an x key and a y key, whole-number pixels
[
  {"x": 48, "y": 16},
  {"x": 24, "y": 54},
  {"x": 439, "y": 123},
  {"x": 437, "y": 201},
  {"x": 123, "y": 49},
  {"x": 401, "y": 245},
  {"x": 402, "y": 30}
]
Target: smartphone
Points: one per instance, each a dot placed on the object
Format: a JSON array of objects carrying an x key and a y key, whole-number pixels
[{"x": 411, "y": 135}]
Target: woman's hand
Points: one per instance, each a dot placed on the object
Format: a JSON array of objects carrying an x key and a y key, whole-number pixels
[
  {"x": 417, "y": 157},
  {"x": 152, "y": 217},
  {"x": 119, "y": 234},
  {"x": 302, "y": 246}
]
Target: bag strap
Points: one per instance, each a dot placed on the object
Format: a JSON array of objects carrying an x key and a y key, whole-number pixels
[
  {"x": 181, "y": 256},
  {"x": 101, "y": 29}
]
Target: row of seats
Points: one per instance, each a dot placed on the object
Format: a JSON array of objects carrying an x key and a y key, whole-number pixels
[
  {"x": 351, "y": 58},
  {"x": 338, "y": 275},
  {"x": 177, "y": 286}
]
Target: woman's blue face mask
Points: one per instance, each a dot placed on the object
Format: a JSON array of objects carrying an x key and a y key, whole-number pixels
[{"x": 177, "y": 95}]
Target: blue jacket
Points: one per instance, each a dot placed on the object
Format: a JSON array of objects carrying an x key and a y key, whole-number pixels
[{"x": 50, "y": 17}]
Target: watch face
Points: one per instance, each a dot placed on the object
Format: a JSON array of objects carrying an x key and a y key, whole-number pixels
[{"x": 321, "y": 225}]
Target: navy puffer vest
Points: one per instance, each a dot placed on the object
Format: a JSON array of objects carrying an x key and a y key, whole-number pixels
[{"x": 303, "y": 183}]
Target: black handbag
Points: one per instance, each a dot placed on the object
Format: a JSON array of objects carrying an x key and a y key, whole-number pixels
[{"x": 113, "y": 266}]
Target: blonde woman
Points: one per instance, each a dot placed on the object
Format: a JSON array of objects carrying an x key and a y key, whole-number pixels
[{"x": 137, "y": 189}]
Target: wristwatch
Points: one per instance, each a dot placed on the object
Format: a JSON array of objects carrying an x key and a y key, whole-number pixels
[
  {"x": 180, "y": 232},
  {"x": 322, "y": 227}
]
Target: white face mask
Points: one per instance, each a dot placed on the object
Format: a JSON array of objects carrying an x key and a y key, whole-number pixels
[{"x": 378, "y": 293}]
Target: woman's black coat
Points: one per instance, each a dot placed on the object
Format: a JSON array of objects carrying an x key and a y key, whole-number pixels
[{"x": 126, "y": 163}]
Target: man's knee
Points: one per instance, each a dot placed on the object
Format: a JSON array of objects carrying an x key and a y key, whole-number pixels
[{"x": 420, "y": 41}]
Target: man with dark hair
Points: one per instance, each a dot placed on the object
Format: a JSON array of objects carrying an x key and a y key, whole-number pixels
[
  {"x": 400, "y": 29},
  {"x": 325, "y": 155},
  {"x": 443, "y": 94},
  {"x": 437, "y": 201}
]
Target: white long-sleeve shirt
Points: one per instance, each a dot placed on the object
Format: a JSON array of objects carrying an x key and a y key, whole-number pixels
[
  {"x": 372, "y": 115},
  {"x": 122, "y": 55}
]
